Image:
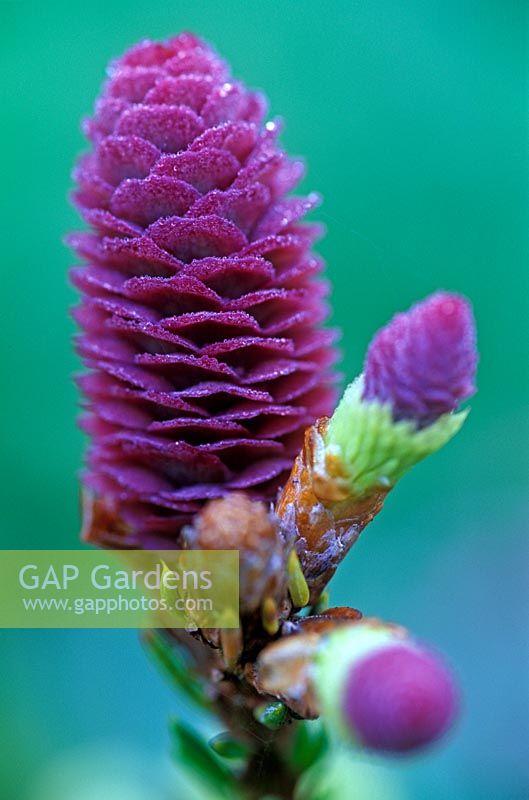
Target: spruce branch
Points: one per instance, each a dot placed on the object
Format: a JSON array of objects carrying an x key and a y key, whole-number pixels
[{"x": 208, "y": 391}]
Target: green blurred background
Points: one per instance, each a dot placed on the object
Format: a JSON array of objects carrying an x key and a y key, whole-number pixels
[{"x": 413, "y": 119}]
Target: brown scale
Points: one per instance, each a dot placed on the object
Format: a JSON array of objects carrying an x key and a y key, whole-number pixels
[{"x": 317, "y": 502}]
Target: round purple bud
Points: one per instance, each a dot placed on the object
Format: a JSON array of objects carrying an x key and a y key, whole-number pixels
[{"x": 398, "y": 699}]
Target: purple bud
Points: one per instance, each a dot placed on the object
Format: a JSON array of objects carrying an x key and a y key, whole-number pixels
[
  {"x": 423, "y": 362},
  {"x": 398, "y": 699}
]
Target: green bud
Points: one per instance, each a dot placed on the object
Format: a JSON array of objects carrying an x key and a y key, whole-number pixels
[{"x": 271, "y": 715}]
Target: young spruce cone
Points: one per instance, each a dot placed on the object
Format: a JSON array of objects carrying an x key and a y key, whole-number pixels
[
  {"x": 201, "y": 307},
  {"x": 418, "y": 369}
]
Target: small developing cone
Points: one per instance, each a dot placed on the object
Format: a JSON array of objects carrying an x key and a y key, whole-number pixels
[{"x": 418, "y": 369}]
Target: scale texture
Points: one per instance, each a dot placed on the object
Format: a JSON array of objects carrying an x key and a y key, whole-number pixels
[{"x": 201, "y": 304}]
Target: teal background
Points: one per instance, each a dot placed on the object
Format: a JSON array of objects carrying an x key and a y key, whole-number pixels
[{"x": 413, "y": 120}]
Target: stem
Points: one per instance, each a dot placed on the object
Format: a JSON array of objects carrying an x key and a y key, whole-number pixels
[
  {"x": 268, "y": 772},
  {"x": 234, "y": 699}
]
